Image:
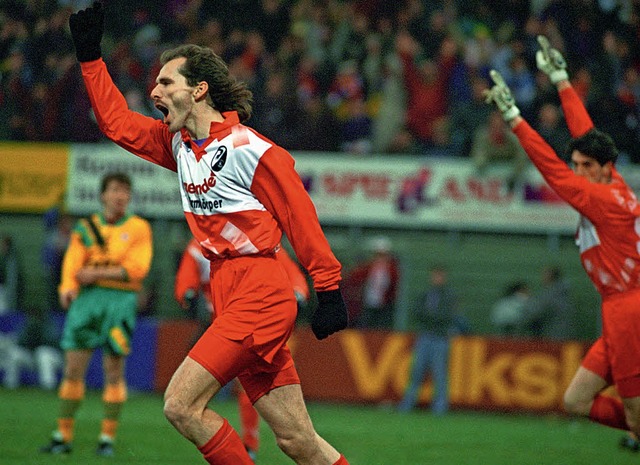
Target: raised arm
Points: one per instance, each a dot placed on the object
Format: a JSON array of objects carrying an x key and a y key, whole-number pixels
[{"x": 551, "y": 62}]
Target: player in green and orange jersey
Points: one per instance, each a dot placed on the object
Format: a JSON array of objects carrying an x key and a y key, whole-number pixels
[{"x": 108, "y": 257}]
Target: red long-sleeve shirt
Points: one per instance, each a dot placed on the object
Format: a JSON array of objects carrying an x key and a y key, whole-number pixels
[
  {"x": 239, "y": 190},
  {"x": 608, "y": 232}
]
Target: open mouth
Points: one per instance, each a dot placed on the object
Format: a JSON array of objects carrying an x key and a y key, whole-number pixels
[{"x": 164, "y": 110}]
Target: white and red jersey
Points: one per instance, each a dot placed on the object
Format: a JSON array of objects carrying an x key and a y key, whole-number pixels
[
  {"x": 239, "y": 190},
  {"x": 609, "y": 230}
]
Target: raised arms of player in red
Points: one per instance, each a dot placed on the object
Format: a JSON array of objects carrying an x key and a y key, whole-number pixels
[{"x": 142, "y": 135}]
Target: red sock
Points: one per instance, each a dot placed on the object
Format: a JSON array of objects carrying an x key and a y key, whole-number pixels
[
  {"x": 341, "y": 461},
  {"x": 608, "y": 411},
  {"x": 250, "y": 421},
  {"x": 225, "y": 448}
]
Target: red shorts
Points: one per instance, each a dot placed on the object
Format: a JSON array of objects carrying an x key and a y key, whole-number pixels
[
  {"x": 616, "y": 355},
  {"x": 255, "y": 311},
  {"x": 226, "y": 359}
]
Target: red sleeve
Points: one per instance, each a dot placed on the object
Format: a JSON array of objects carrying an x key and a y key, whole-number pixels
[
  {"x": 141, "y": 135},
  {"x": 278, "y": 187},
  {"x": 578, "y": 120},
  {"x": 295, "y": 274},
  {"x": 586, "y": 197},
  {"x": 187, "y": 276}
]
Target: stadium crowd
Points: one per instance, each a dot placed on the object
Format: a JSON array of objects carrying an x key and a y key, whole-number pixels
[{"x": 361, "y": 76}]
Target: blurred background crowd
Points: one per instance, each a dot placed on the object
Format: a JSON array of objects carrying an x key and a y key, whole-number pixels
[{"x": 359, "y": 76}]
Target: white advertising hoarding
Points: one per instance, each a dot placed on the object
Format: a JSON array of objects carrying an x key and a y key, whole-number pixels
[
  {"x": 379, "y": 191},
  {"x": 418, "y": 192},
  {"x": 156, "y": 191}
]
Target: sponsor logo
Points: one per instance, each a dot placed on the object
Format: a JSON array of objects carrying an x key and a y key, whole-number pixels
[
  {"x": 205, "y": 186},
  {"x": 219, "y": 158},
  {"x": 205, "y": 204}
]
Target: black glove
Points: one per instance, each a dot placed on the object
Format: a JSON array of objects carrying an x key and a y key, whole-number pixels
[
  {"x": 87, "y": 27},
  {"x": 331, "y": 315}
]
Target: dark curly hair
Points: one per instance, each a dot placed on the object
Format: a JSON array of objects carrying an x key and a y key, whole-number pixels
[
  {"x": 203, "y": 64},
  {"x": 595, "y": 144}
]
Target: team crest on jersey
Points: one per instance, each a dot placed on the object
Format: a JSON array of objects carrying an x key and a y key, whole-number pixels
[{"x": 219, "y": 158}]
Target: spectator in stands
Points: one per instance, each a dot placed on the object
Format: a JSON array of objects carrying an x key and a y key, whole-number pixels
[
  {"x": 11, "y": 285},
  {"x": 356, "y": 128},
  {"x": 277, "y": 111},
  {"x": 319, "y": 129},
  {"x": 550, "y": 314},
  {"x": 427, "y": 86},
  {"x": 507, "y": 313},
  {"x": 469, "y": 115},
  {"x": 388, "y": 122},
  {"x": 330, "y": 33},
  {"x": 437, "y": 317},
  {"x": 494, "y": 144},
  {"x": 372, "y": 286},
  {"x": 521, "y": 79},
  {"x": 551, "y": 127}
]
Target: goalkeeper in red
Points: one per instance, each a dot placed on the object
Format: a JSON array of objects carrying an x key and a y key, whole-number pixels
[
  {"x": 240, "y": 192},
  {"x": 609, "y": 242}
]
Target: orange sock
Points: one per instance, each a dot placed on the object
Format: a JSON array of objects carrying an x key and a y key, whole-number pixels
[
  {"x": 65, "y": 426},
  {"x": 250, "y": 422},
  {"x": 225, "y": 448},
  {"x": 70, "y": 393},
  {"x": 108, "y": 427},
  {"x": 113, "y": 397},
  {"x": 341, "y": 461},
  {"x": 608, "y": 411}
]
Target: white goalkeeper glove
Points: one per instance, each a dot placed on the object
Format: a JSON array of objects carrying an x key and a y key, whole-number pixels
[
  {"x": 551, "y": 62},
  {"x": 500, "y": 94}
]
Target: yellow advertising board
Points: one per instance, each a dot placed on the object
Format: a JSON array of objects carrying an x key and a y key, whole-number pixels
[
  {"x": 33, "y": 176},
  {"x": 373, "y": 366}
]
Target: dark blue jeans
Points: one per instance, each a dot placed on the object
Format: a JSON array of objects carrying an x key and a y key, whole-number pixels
[{"x": 430, "y": 355}]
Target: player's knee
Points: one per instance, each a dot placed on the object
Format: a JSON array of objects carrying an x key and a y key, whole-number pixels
[
  {"x": 574, "y": 404},
  {"x": 176, "y": 411},
  {"x": 297, "y": 443}
]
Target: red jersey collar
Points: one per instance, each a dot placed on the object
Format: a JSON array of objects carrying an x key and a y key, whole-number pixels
[{"x": 217, "y": 131}]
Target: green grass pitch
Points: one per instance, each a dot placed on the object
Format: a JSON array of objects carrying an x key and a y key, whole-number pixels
[{"x": 367, "y": 435}]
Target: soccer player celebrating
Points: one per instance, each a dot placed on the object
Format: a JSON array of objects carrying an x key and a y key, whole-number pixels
[
  {"x": 108, "y": 257},
  {"x": 240, "y": 192},
  {"x": 192, "y": 281},
  {"x": 609, "y": 242}
]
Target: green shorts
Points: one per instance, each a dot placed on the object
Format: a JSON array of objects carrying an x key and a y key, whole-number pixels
[{"x": 101, "y": 317}]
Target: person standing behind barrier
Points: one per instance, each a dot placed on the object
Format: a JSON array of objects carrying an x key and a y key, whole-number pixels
[
  {"x": 108, "y": 257},
  {"x": 608, "y": 240},
  {"x": 36, "y": 349},
  {"x": 372, "y": 287},
  {"x": 436, "y": 317},
  {"x": 550, "y": 314},
  {"x": 11, "y": 279},
  {"x": 507, "y": 313},
  {"x": 240, "y": 192}
]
